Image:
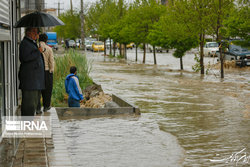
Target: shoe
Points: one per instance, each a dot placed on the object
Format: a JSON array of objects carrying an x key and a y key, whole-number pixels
[
  {"x": 46, "y": 109},
  {"x": 39, "y": 112}
]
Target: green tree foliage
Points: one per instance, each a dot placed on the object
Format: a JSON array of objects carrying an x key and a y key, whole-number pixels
[
  {"x": 103, "y": 19},
  {"x": 172, "y": 33},
  {"x": 72, "y": 26},
  {"x": 220, "y": 12},
  {"x": 181, "y": 25},
  {"x": 197, "y": 13},
  {"x": 141, "y": 18},
  {"x": 93, "y": 17},
  {"x": 238, "y": 25}
]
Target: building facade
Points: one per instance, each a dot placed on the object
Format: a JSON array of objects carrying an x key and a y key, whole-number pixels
[{"x": 9, "y": 38}]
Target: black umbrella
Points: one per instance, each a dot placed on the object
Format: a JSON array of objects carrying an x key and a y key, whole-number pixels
[{"x": 38, "y": 19}]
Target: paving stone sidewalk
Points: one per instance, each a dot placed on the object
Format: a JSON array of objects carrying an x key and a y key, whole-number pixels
[{"x": 44, "y": 152}]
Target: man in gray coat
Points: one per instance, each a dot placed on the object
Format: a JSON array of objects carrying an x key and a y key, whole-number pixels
[{"x": 31, "y": 73}]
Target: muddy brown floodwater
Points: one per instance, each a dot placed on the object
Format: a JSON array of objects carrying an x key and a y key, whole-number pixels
[{"x": 186, "y": 120}]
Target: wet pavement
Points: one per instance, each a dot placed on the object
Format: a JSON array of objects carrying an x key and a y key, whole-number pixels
[
  {"x": 44, "y": 152},
  {"x": 186, "y": 120}
]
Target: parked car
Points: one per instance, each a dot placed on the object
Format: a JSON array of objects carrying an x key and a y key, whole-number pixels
[
  {"x": 157, "y": 48},
  {"x": 210, "y": 49},
  {"x": 107, "y": 43},
  {"x": 98, "y": 46},
  {"x": 130, "y": 45},
  {"x": 52, "y": 40},
  {"x": 237, "y": 53},
  {"x": 72, "y": 44},
  {"x": 88, "y": 45}
]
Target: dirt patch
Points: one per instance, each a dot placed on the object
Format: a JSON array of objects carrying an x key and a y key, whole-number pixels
[
  {"x": 92, "y": 91},
  {"x": 98, "y": 101},
  {"x": 94, "y": 97}
]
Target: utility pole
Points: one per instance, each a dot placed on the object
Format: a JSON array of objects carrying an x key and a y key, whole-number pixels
[
  {"x": 38, "y": 5},
  {"x": 71, "y": 7},
  {"x": 58, "y": 9},
  {"x": 82, "y": 26}
]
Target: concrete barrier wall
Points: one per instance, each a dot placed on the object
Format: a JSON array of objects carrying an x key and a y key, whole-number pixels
[
  {"x": 120, "y": 101},
  {"x": 124, "y": 109},
  {"x": 70, "y": 111},
  {"x": 123, "y": 103}
]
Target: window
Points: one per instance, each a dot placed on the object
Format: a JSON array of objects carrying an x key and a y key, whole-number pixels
[{"x": 210, "y": 45}]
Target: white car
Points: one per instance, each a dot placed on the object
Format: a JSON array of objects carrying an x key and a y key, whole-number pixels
[
  {"x": 157, "y": 48},
  {"x": 88, "y": 45},
  {"x": 72, "y": 44},
  {"x": 211, "y": 48}
]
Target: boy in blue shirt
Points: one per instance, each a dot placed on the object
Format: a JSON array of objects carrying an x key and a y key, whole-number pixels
[{"x": 73, "y": 88}]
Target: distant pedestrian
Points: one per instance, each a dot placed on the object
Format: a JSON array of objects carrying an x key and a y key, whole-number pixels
[
  {"x": 67, "y": 43},
  {"x": 73, "y": 88},
  {"x": 31, "y": 73},
  {"x": 48, "y": 57}
]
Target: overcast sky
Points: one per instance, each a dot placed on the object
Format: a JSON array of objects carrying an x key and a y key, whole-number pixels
[{"x": 65, "y": 4}]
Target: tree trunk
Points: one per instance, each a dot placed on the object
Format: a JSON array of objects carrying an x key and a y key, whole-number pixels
[
  {"x": 120, "y": 49},
  {"x": 202, "y": 53},
  {"x": 125, "y": 51},
  {"x": 110, "y": 47},
  {"x": 105, "y": 47},
  {"x": 181, "y": 63},
  {"x": 114, "y": 48},
  {"x": 136, "y": 47},
  {"x": 82, "y": 27},
  {"x": 144, "y": 53},
  {"x": 154, "y": 55},
  {"x": 221, "y": 63},
  {"x": 219, "y": 40}
]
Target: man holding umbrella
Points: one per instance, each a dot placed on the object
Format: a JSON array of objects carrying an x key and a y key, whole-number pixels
[{"x": 31, "y": 73}]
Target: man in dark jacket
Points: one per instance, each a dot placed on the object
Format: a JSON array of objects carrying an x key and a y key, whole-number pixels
[{"x": 31, "y": 73}]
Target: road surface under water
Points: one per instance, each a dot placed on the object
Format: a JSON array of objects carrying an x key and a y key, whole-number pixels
[{"x": 186, "y": 120}]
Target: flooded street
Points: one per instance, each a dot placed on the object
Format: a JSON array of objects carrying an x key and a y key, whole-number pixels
[{"x": 186, "y": 120}]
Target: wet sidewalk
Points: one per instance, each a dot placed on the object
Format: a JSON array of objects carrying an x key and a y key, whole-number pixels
[{"x": 44, "y": 152}]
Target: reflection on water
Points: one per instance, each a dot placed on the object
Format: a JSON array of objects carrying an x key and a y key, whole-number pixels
[{"x": 186, "y": 119}]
